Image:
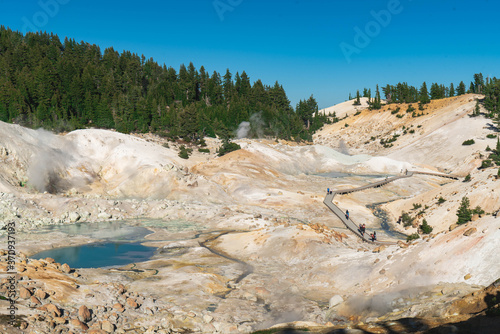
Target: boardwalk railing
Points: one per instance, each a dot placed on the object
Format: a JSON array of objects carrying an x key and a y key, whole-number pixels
[{"x": 348, "y": 221}]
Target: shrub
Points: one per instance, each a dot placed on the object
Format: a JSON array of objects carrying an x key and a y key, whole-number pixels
[
  {"x": 410, "y": 108},
  {"x": 395, "y": 111},
  {"x": 488, "y": 148},
  {"x": 441, "y": 200},
  {"x": 413, "y": 236},
  {"x": 416, "y": 206},
  {"x": 184, "y": 152},
  {"x": 426, "y": 228},
  {"x": 478, "y": 211},
  {"x": 227, "y": 147},
  {"x": 491, "y": 136},
  {"x": 346, "y": 125},
  {"x": 166, "y": 145},
  {"x": 412, "y": 131},
  {"x": 399, "y": 116},
  {"x": 357, "y": 113},
  {"x": 467, "y": 178},
  {"x": 486, "y": 163},
  {"x": 406, "y": 219},
  {"x": 204, "y": 150},
  {"x": 469, "y": 142}
]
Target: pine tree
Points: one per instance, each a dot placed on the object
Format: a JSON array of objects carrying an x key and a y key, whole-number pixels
[
  {"x": 452, "y": 90},
  {"x": 464, "y": 212},
  {"x": 461, "y": 88},
  {"x": 357, "y": 101},
  {"x": 424, "y": 94}
]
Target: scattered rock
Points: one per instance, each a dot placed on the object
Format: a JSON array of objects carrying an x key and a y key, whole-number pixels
[
  {"x": 24, "y": 293},
  {"x": 23, "y": 325},
  {"x": 104, "y": 215},
  {"x": 78, "y": 324},
  {"x": 382, "y": 272},
  {"x": 379, "y": 249},
  {"x": 453, "y": 226},
  {"x": 59, "y": 320},
  {"x": 74, "y": 217},
  {"x": 470, "y": 231},
  {"x": 132, "y": 303},
  {"x": 208, "y": 318},
  {"x": 335, "y": 300},
  {"x": 65, "y": 268},
  {"x": 119, "y": 307},
  {"x": 107, "y": 326},
  {"x": 53, "y": 310},
  {"x": 40, "y": 294},
  {"x": 35, "y": 300},
  {"x": 468, "y": 276},
  {"x": 84, "y": 314}
]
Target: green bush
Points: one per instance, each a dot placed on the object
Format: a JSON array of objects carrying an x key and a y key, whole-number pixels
[
  {"x": 416, "y": 206},
  {"x": 486, "y": 163},
  {"x": 227, "y": 147},
  {"x": 399, "y": 116},
  {"x": 410, "y": 109},
  {"x": 184, "y": 152},
  {"x": 395, "y": 111},
  {"x": 441, "y": 200},
  {"x": 413, "y": 236},
  {"x": 469, "y": 142},
  {"x": 166, "y": 145},
  {"x": 491, "y": 136},
  {"x": 467, "y": 178},
  {"x": 346, "y": 125},
  {"x": 426, "y": 228},
  {"x": 406, "y": 219},
  {"x": 488, "y": 148},
  {"x": 478, "y": 211},
  {"x": 204, "y": 150}
]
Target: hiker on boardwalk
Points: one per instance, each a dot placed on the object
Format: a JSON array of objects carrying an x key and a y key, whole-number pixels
[
  {"x": 362, "y": 229},
  {"x": 373, "y": 236},
  {"x": 327, "y": 191},
  {"x": 347, "y": 214}
]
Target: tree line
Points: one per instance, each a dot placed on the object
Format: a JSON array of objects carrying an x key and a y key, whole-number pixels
[
  {"x": 405, "y": 93},
  {"x": 67, "y": 85}
]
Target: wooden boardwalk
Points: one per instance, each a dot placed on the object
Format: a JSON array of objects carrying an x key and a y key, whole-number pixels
[{"x": 348, "y": 221}]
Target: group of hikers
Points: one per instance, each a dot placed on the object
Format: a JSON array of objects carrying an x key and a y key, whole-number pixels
[
  {"x": 362, "y": 227},
  {"x": 362, "y": 230}
]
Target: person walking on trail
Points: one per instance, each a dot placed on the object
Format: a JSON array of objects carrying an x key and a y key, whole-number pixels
[
  {"x": 327, "y": 191},
  {"x": 347, "y": 214},
  {"x": 363, "y": 229},
  {"x": 374, "y": 236}
]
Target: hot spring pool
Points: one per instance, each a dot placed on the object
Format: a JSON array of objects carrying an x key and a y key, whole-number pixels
[{"x": 98, "y": 255}]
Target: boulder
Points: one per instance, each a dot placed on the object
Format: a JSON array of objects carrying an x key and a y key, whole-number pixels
[
  {"x": 40, "y": 294},
  {"x": 335, "y": 300},
  {"x": 74, "y": 217},
  {"x": 107, "y": 326},
  {"x": 453, "y": 226},
  {"x": 470, "y": 231},
  {"x": 59, "y": 320},
  {"x": 79, "y": 325},
  {"x": 84, "y": 314},
  {"x": 24, "y": 293},
  {"x": 53, "y": 310},
  {"x": 35, "y": 300},
  {"x": 65, "y": 268},
  {"x": 104, "y": 215}
]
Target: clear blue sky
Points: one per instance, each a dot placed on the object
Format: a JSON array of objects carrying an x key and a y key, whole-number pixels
[{"x": 299, "y": 43}]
